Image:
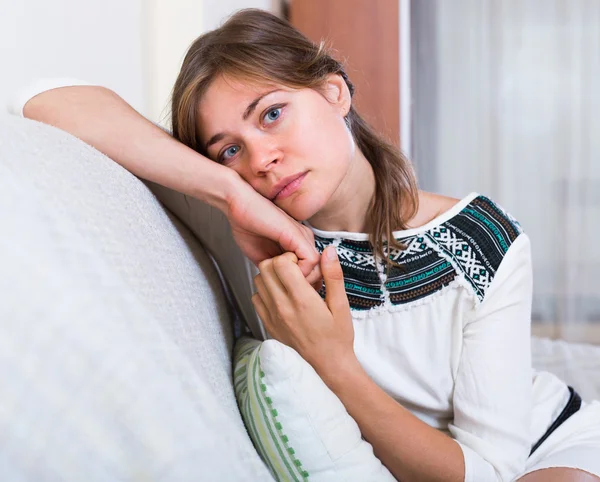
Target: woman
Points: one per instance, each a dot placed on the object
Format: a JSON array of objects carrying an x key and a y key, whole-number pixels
[{"x": 424, "y": 335}]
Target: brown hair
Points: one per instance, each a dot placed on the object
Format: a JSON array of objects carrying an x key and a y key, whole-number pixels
[{"x": 259, "y": 46}]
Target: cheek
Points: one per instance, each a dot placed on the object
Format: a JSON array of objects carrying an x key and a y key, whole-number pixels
[
  {"x": 325, "y": 143},
  {"x": 240, "y": 165},
  {"x": 326, "y": 148}
]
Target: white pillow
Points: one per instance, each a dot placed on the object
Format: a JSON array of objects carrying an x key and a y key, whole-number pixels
[{"x": 299, "y": 427}]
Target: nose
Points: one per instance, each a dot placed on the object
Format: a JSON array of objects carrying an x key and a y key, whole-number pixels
[{"x": 263, "y": 157}]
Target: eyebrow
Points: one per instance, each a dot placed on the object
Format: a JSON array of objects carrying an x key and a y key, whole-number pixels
[{"x": 247, "y": 113}]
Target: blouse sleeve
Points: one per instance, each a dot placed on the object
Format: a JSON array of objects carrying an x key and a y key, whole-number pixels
[
  {"x": 20, "y": 98},
  {"x": 493, "y": 389}
]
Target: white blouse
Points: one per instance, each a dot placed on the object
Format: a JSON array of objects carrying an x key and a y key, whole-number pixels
[{"x": 448, "y": 336}]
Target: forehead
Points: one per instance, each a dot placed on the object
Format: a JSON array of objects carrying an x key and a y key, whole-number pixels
[
  {"x": 222, "y": 106},
  {"x": 231, "y": 95}
]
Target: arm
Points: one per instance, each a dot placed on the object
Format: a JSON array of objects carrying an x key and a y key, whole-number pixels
[
  {"x": 407, "y": 446},
  {"x": 492, "y": 417},
  {"x": 104, "y": 120}
]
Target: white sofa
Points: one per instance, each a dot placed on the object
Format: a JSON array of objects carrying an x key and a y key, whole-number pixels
[{"x": 115, "y": 332}]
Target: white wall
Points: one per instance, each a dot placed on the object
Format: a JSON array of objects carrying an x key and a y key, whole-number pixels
[
  {"x": 170, "y": 26},
  {"x": 134, "y": 47},
  {"x": 173, "y": 26},
  {"x": 215, "y": 11},
  {"x": 98, "y": 41}
]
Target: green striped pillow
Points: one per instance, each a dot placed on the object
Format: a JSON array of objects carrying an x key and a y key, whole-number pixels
[{"x": 299, "y": 427}]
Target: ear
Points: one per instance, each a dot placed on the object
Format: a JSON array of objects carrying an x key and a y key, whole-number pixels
[{"x": 338, "y": 94}]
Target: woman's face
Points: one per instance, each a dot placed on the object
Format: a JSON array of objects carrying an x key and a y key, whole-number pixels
[{"x": 291, "y": 145}]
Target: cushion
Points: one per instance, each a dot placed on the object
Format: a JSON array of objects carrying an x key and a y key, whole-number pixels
[{"x": 297, "y": 424}]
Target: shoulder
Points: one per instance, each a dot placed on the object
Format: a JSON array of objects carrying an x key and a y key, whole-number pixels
[
  {"x": 476, "y": 214},
  {"x": 431, "y": 206},
  {"x": 485, "y": 218},
  {"x": 477, "y": 238}
]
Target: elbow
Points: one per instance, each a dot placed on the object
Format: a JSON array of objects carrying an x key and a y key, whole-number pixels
[
  {"x": 51, "y": 105},
  {"x": 491, "y": 466}
]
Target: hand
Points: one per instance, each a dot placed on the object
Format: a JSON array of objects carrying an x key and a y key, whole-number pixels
[
  {"x": 262, "y": 231},
  {"x": 294, "y": 314}
]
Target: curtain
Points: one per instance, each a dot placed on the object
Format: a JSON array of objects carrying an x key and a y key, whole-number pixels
[{"x": 506, "y": 102}]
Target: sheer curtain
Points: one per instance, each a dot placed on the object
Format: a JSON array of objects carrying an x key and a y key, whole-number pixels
[{"x": 506, "y": 102}]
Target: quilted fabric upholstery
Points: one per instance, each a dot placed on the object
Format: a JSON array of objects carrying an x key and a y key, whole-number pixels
[{"x": 115, "y": 335}]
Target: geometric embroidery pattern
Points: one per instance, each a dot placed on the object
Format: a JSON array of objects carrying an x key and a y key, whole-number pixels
[
  {"x": 361, "y": 278},
  {"x": 477, "y": 239},
  {"x": 423, "y": 271},
  {"x": 474, "y": 241}
]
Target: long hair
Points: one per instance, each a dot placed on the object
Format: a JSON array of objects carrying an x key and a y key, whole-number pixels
[{"x": 259, "y": 46}]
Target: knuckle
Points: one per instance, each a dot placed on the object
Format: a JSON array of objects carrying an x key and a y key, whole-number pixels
[
  {"x": 291, "y": 257},
  {"x": 302, "y": 304},
  {"x": 263, "y": 264},
  {"x": 279, "y": 262},
  {"x": 284, "y": 312}
]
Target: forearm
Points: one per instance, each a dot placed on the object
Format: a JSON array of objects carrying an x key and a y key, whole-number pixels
[
  {"x": 104, "y": 120},
  {"x": 412, "y": 450}
]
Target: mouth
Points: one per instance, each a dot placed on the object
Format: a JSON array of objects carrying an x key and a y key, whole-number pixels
[{"x": 287, "y": 186}]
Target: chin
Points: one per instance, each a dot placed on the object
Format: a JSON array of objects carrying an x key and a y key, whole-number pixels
[{"x": 302, "y": 209}]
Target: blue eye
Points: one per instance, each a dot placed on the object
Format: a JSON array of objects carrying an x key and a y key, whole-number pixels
[
  {"x": 230, "y": 151},
  {"x": 272, "y": 115}
]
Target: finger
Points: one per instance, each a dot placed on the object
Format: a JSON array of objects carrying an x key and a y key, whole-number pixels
[
  {"x": 277, "y": 292},
  {"x": 317, "y": 285},
  {"x": 289, "y": 257},
  {"x": 315, "y": 278},
  {"x": 298, "y": 287},
  {"x": 335, "y": 292},
  {"x": 289, "y": 274},
  {"x": 263, "y": 292},
  {"x": 300, "y": 241},
  {"x": 262, "y": 310}
]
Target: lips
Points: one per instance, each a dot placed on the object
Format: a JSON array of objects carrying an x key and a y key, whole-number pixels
[{"x": 281, "y": 185}]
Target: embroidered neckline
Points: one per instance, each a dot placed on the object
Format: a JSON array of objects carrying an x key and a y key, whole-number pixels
[{"x": 462, "y": 247}]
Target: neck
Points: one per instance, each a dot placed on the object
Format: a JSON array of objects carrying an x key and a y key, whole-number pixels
[{"x": 347, "y": 209}]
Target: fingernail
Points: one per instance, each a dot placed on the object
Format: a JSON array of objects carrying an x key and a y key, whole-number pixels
[{"x": 331, "y": 253}]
